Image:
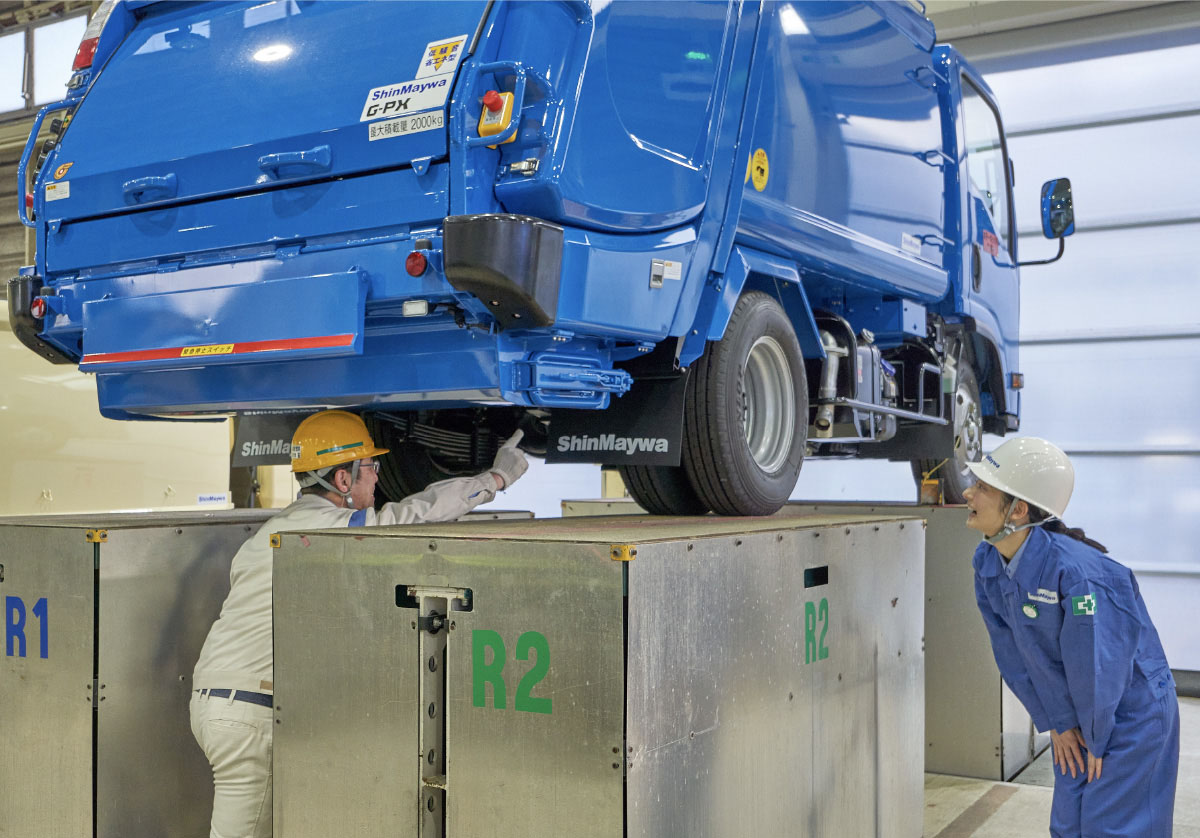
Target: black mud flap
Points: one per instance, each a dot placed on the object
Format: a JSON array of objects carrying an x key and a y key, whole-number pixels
[
  {"x": 644, "y": 427},
  {"x": 21, "y": 291},
  {"x": 264, "y": 437},
  {"x": 511, "y": 262}
]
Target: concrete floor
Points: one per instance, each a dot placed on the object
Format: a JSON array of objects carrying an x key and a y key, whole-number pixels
[{"x": 959, "y": 807}]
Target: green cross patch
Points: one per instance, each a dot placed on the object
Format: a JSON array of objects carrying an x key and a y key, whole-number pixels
[{"x": 1083, "y": 606}]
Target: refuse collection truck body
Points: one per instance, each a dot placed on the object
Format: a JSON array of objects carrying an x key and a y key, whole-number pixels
[{"x": 701, "y": 240}]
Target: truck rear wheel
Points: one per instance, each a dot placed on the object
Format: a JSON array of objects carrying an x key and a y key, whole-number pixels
[
  {"x": 968, "y": 442},
  {"x": 663, "y": 490},
  {"x": 746, "y": 415}
]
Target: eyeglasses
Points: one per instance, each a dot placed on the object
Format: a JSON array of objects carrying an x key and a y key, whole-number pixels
[{"x": 373, "y": 466}]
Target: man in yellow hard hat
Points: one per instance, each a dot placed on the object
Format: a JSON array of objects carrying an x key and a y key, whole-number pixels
[{"x": 334, "y": 460}]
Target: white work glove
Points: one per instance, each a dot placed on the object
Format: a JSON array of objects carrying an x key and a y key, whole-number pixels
[{"x": 510, "y": 462}]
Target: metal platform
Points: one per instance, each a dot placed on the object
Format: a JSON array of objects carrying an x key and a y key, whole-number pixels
[
  {"x": 104, "y": 619},
  {"x": 602, "y": 677},
  {"x": 974, "y": 725}
]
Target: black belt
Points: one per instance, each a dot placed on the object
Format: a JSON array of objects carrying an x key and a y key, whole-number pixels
[{"x": 261, "y": 699}]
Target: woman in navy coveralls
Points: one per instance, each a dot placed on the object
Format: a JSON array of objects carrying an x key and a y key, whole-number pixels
[{"x": 1074, "y": 642}]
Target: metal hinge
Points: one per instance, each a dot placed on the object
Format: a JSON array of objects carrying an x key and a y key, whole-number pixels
[
  {"x": 96, "y": 536},
  {"x": 434, "y": 606},
  {"x": 624, "y": 552},
  {"x": 527, "y": 167}
]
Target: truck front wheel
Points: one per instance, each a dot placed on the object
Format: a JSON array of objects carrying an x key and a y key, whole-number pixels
[
  {"x": 968, "y": 442},
  {"x": 746, "y": 413}
]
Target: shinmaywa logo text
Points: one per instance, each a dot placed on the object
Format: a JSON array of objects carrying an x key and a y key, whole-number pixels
[
  {"x": 265, "y": 448},
  {"x": 611, "y": 442}
]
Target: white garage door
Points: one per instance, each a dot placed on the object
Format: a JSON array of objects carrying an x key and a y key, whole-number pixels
[{"x": 1110, "y": 335}]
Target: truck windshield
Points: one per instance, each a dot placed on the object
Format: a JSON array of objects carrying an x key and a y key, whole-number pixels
[{"x": 986, "y": 165}]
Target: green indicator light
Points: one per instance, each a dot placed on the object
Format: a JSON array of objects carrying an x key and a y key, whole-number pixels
[{"x": 694, "y": 55}]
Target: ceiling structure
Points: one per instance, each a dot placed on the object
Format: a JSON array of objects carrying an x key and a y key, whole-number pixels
[{"x": 14, "y": 15}]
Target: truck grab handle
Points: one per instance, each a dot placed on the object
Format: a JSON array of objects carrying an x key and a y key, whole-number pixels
[{"x": 23, "y": 166}]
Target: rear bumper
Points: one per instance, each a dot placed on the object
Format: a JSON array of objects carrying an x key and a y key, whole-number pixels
[{"x": 21, "y": 291}]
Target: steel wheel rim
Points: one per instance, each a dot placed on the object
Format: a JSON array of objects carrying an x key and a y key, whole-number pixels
[
  {"x": 769, "y": 404},
  {"x": 968, "y": 430}
]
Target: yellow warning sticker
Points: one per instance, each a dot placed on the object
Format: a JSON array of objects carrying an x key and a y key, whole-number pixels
[
  {"x": 441, "y": 57},
  {"x": 62, "y": 170},
  {"x": 214, "y": 349},
  {"x": 760, "y": 169}
]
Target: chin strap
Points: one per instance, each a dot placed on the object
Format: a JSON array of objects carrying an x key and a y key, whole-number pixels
[
  {"x": 1008, "y": 529},
  {"x": 345, "y": 496}
]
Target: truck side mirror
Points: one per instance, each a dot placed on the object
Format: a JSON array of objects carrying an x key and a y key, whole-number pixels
[{"x": 1058, "y": 214}]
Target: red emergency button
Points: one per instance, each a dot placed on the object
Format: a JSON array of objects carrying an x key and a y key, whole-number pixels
[
  {"x": 37, "y": 307},
  {"x": 493, "y": 101}
]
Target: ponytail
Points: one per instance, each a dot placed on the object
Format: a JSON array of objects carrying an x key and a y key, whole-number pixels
[{"x": 1054, "y": 525}]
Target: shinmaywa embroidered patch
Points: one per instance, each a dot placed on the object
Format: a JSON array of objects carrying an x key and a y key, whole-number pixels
[
  {"x": 1030, "y": 610},
  {"x": 1043, "y": 595},
  {"x": 1083, "y": 606}
]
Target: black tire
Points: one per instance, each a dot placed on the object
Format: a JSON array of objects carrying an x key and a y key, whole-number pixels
[
  {"x": 968, "y": 442},
  {"x": 409, "y": 468},
  {"x": 737, "y": 384},
  {"x": 663, "y": 490}
]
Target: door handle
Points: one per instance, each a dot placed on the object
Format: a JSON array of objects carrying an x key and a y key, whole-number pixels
[
  {"x": 976, "y": 267},
  {"x": 153, "y": 188},
  {"x": 316, "y": 159}
]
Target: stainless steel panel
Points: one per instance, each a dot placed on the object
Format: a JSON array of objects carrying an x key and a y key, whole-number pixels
[
  {"x": 46, "y": 715},
  {"x": 346, "y": 691},
  {"x": 346, "y": 684},
  {"x": 730, "y": 730},
  {"x": 161, "y": 588},
  {"x": 537, "y": 770},
  {"x": 893, "y": 604},
  {"x": 160, "y": 582},
  {"x": 974, "y": 727}
]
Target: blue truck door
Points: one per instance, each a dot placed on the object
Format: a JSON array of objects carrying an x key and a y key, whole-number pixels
[
  {"x": 207, "y": 99},
  {"x": 846, "y": 169},
  {"x": 991, "y": 287}
]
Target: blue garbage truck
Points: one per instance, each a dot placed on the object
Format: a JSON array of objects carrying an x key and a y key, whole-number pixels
[{"x": 701, "y": 241}]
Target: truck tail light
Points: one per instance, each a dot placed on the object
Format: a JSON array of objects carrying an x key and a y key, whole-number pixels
[
  {"x": 91, "y": 36},
  {"x": 415, "y": 263}
]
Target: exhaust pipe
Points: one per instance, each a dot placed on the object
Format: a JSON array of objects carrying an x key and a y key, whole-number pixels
[{"x": 827, "y": 392}]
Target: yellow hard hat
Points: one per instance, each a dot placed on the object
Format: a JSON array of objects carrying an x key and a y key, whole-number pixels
[{"x": 330, "y": 438}]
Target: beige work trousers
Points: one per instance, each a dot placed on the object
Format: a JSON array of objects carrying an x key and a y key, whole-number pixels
[{"x": 236, "y": 738}]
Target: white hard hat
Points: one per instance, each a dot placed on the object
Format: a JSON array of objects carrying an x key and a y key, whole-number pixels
[{"x": 1036, "y": 471}]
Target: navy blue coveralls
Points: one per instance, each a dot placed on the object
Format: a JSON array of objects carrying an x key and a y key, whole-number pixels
[{"x": 1074, "y": 643}]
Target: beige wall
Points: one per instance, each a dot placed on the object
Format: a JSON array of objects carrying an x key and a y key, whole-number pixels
[{"x": 57, "y": 454}]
